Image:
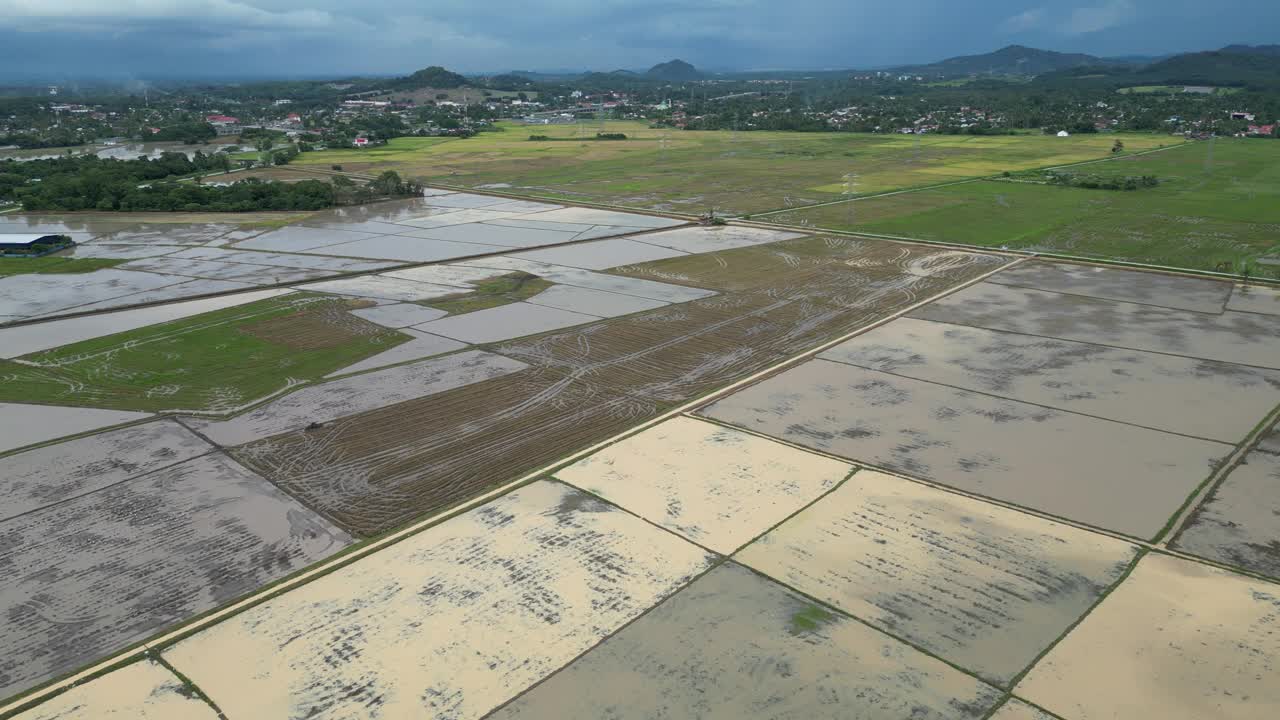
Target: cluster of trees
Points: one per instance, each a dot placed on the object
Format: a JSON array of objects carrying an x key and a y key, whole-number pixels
[
  {"x": 74, "y": 193},
  {"x": 90, "y": 183},
  {"x": 191, "y": 132},
  {"x": 53, "y": 183},
  {"x": 1104, "y": 182}
]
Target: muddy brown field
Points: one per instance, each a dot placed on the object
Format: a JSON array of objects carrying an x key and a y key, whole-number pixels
[
  {"x": 327, "y": 325},
  {"x": 87, "y": 577},
  {"x": 373, "y": 471}
]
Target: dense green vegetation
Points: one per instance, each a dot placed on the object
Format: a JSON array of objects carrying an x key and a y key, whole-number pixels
[
  {"x": 91, "y": 183},
  {"x": 1216, "y": 205},
  {"x": 492, "y": 293},
  {"x": 213, "y": 361},
  {"x": 53, "y": 264},
  {"x": 691, "y": 172}
]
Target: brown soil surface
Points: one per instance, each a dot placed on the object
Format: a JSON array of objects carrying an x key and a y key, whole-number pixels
[
  {"x": 379, "y": 469},
  {"x": 324, "y": 325}
]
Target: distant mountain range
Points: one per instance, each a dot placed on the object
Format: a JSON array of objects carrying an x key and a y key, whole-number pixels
[
  {"x": 1011, "y": 60},
  {"x": 1255, "y": 66}
]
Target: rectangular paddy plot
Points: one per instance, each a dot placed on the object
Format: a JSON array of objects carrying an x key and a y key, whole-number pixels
[
  {"x": 1213, "y": 400},
  {"x": 717, "y": 237},
  {"x": 460, "y": 276},
  {"x": 380, "y": 469},
  {"x": 55, "y": 473},
  {"x": 449, "y": 623},
  {"x": 1245, "y": 338},
  {"x": 592, "y": 302},
  {"x": 835, "y": 270},
  {"x": 300, "y": 239},
  {"x": 407, "y": 248},
  {"x": 1107, "y": 474},
  {"x": 300, "y": 262},
  {"x": 716, "y": 486},
  {"x": 33, "y": 295},
  {"x": 508, "y": 321},
  {"x": 339, "y": 398},
  {"x": 398, "y": 315},
  {"x": 89, "y": 576},
  {"x": 19, "y": 341},
  {"x": 734, "y": 645},
  {"x": 1171, "y": 291},
  {"x": 186, "y": 288},
  {"x": 501, "y": 235},
  {"x": 634, "y": 287},
  {"x": 144, "y": 690},
  {"x": 1175, "y": 640},
  {"x": 1255, "y": 299},
  {"x": 1239, "y": 523},
  {"x": 385, "y": 288},
  {"x": 982, "y": 586},
  {"x": 220, "y": 270},
  {"x": 422, "y": 345},
  {"x": 600, "y": 254},
  {"x": 22, "y": 425}
]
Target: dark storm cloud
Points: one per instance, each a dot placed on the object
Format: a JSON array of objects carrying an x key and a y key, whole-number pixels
[{"x": 326, "y": 37}]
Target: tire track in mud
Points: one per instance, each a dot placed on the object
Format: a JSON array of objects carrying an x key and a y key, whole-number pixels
[{"x": 376, "y": 470}]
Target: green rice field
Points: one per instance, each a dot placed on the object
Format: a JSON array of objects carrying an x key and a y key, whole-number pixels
[
  {"x": 216, "y": 361},
  {"x": 693, "y": 171},
  {"x": 1212, "y": 207}
]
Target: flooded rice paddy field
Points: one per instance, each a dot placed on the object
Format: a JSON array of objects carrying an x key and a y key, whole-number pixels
[
  {"x": 1230, "y": 336},
  {"x": 1063, "y": 401},
  {"x": 373, "y": 470},
  {"x": 1262, "y": 300},
  {"x": 715, "y": 486},
  {"x": 1083, "y": 394},
  {"x": 1239, "y": 523},
  {"x": 22, "y": 424},
  {"x": 982, "y": 586},
  {"x": 1110, "y": 475},
  {"x": 450, "y": 623},
  {"x": 1191, "y": 396},
  {"x": 144, "y": 690},
  {"x": 92, "y": 574},
  {"x": 736, "y": 645},
  {"x": 319, "y": 404},
  {"x": 1176, "y": 640},
  {"x": 171, "y": 261},
  {"x": 1170, "y": 291}
]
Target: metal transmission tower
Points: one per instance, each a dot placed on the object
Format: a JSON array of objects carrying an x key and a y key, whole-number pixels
[
  {"x": 850, "y": 189},
  {"x": 1208, "y": 157}
]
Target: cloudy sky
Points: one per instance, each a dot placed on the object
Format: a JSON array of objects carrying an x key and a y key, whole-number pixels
[{"x": 158, "y": 38}]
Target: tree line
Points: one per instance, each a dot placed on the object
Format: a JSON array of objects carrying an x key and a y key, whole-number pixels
[{"x": 91, "y": 183}]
